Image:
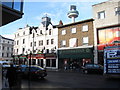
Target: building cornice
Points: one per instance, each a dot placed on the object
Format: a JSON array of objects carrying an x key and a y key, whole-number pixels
[
  {"x": 109, "y": 26},
  {"x": 6, "y": 38},
  {"x": 90, "y": 46},
  {"x": 88, "y": 20}
]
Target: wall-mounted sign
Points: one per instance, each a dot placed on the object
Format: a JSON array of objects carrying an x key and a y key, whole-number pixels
[
  {"x": 108, "y": 37},
  {"x": 112, "y": 60}
]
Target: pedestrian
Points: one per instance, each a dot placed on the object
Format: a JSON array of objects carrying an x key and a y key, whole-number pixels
[
  {"x": 5, "y": 80},
  {"x": 11, "y": 75}
]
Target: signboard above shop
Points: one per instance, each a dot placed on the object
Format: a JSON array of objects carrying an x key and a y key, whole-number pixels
[
  {"x": 108, "y": 37},
  {"x": 76, "y": 53},
  {"x": 112, "y": 60}
]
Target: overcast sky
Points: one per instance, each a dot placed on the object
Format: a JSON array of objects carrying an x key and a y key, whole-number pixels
[{"x": 56, "y": 10}]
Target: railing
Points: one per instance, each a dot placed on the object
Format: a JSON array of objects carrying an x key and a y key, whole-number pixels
[{"x": 13, "y": 4}]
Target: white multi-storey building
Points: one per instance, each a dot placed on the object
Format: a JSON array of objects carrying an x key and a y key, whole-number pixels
[
  {"x": 6, "y": 49},
  {"x": 41, "y": 42},
  {"x": 106, "y": 26}
]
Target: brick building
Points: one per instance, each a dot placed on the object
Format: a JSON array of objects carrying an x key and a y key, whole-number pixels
[{"x": 75, "y": 43}]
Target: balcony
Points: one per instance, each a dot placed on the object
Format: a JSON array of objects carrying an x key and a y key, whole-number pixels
[{"x": 11, "y": 10}]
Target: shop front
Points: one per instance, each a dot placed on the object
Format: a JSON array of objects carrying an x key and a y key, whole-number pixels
[
  {"x": 79, "y": 56},
  {"x": 40, "y": 60},
  {"x": 23, "y": 60},
  {"x": 36, "y": 59},
  {"x": 107, "y": 36},
  {"x": 51, "y": 60},
  {"x": 16, "y": 59},
  {"x": 20, "y": 59},
  {"x": 48, "y": 60},
  {"x": 45, "y": 60}
]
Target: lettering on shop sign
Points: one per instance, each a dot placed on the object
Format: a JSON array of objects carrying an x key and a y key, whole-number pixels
[
  {"x": 50, "y": 55},
  {"x": 86, "y": 50},
  {"x": 113, "y": 54}
]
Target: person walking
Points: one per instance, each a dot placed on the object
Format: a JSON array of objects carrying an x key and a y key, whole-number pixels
[
  {"x": 5, "y": 80},
  {"x": 11, "y": 75}
]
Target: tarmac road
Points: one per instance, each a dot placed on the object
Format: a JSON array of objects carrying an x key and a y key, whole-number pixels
[{"x": 71, "y": 80}]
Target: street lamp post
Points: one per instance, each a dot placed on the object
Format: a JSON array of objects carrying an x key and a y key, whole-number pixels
[{"x": 31, "y": 52}]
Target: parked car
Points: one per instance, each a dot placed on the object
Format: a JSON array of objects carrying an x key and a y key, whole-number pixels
[
  {"x": 92, "y": 68},
  {"x": 33, "y": 71}
]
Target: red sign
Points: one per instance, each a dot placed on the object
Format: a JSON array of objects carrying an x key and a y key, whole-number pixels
[
  {"x": 36, "y": 56},
  {"x": 39, "y": 56},
  {"x": 50, "y": 55}
]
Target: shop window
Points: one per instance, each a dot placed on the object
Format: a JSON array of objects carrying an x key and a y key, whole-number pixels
[
  {"x": 47, "y": 62},
  {"x": 53, "y": 62},
  {"x": 40, "y": 62},
  {"x": 33, "y": 62}
]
